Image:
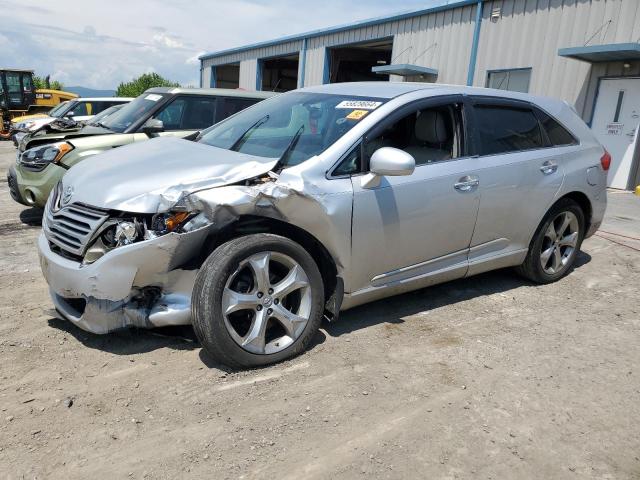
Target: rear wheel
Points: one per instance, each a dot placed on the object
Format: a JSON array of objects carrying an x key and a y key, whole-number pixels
[
  {"x": 257, "y": 300},
  {"x": 555, "y": 244}
]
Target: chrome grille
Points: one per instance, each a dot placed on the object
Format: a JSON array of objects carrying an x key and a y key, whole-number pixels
[{"x": 71, "y": 227}]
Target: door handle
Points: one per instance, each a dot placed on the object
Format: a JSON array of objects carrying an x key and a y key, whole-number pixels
[
  {"x": 549, "y": 167},
  {"x": 467, "y": 183}
]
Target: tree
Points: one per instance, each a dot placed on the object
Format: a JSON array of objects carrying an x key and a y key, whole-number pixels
[
  {"x": 145, "y": 81},
  {"x": 41, "y": 82}
]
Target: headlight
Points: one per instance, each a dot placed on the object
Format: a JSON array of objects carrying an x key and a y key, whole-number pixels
[
  {"x": 39, "y": 157},
  {"x": 169, "y": 222},
  {"x": 23, "y": 125},
  {"x": 195, "y": 222}
]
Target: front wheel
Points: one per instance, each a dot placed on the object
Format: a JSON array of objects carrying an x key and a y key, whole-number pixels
[
  {"x": 555, "y": 244},
  {"x": 257, "y": 300}
]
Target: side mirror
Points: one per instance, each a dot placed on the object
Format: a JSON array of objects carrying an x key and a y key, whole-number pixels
[
  {"x": 388, "y": 161},
  {"x": 70, "y": 114},
  {"x": 153, "y": 127}
]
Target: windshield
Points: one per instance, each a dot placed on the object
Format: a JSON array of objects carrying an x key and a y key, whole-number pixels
[
  {"x": 63, "y": 108},
  {"x": 292, "y": 127},
  {"x": 99, "y": 118},
  {"x": 132, "y": 112},
  {"x": 57, "y": 109}
]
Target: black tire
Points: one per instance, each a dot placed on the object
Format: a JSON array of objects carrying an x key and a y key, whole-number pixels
[
  {"x": 532, "y": 268},
  {"x": 206, "y": 299}
]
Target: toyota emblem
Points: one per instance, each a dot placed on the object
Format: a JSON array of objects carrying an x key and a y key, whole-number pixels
[{"x": 67, "y": 194}]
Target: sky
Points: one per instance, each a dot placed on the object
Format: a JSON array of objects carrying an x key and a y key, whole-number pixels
[{"x": 98, "y": 44}]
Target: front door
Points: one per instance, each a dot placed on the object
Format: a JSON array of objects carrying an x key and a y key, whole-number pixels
[
  {"x": 615, "y": 124},
  {"x": 418, "y": 225}
]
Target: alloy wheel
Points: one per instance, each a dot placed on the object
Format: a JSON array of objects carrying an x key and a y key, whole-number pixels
[
  {"x": 559, "y": 243},
  {"x": 266, "y": 302}
]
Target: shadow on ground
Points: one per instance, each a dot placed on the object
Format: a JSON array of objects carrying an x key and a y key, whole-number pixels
[
  {"x": 391, "y": 310},
  {"x": 132, "y": 341},
  {"x": 32, "y": 216}
]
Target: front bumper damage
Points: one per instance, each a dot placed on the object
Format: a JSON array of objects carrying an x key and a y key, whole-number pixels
[
  {"x": 146, "y": 283},
  {"x": 17, "y": 137},
  {"x": 137, "y": 285}
]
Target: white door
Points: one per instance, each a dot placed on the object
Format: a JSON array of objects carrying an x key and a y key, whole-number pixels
[{"x": 615, "y": 123}]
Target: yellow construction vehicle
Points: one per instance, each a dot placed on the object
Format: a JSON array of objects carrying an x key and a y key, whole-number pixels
[{"x": 18, "y": 97}]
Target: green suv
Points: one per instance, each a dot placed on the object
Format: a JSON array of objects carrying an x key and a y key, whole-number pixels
[{"x": 42, "y": 160}]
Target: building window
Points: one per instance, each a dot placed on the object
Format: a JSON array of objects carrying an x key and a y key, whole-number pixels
[{"x": 516, "y": 80}]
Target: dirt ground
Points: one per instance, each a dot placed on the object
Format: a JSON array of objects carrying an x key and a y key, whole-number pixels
[{"x": 488, "y": 377}]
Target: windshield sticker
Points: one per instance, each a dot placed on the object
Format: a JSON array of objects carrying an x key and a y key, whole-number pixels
[
  {"x": 153, "y": 97},
  {"x": 357, "y": 114},
  {"x": 362, "y": 104}
]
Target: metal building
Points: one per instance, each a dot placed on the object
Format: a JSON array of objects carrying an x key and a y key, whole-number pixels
[{"x": 586, "y": 52}]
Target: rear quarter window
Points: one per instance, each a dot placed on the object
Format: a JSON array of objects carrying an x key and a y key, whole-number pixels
[
  {"x": 558, "y": 135},
  {"x": 504, "y": 129}
]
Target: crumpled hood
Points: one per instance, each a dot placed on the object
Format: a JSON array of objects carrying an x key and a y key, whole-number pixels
[
  {"x": 89, "y": 131},
  {"x": 150, "y": 176},
  {"x": 45, "y": 135}
]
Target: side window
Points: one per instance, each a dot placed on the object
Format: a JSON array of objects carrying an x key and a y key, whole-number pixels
[
  {"x": 351, "y": 164},
  {"x": 558, "y": 135},
  {"x": 430, "y": 135},
  {"x": 171, "y": 114},
  {"x": 98, "y": 107},
  {"x": 231, "y": 106},
  {"x": 13, "y": 88},
  {"x": 515, "y": 79},
  {"x": 200, "y": 113},
  {"x": 82, "y": 109},
  {"x": 27, "y": 86},
  {"x": 507, "y": 129}
]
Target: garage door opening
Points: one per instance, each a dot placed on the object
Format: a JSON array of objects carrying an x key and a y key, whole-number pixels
[
  {"x": 227, "y": 76},
  {"x": 280, "y": 74},
  {"x": 353, "y": 63}
]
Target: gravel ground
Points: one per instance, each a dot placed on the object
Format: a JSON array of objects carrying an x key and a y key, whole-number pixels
[{"x": 486, "y": 377}]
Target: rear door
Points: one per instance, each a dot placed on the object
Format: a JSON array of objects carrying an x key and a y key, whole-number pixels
[{"x": 519, "y": 174}]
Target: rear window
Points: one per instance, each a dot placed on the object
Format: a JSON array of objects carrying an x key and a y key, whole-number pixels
[
  {"x": 558, "y": 135},
  {"x": 507, "y": 129}
]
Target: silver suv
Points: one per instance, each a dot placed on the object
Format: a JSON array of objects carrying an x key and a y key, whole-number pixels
[{"x": 314, "y": 202}]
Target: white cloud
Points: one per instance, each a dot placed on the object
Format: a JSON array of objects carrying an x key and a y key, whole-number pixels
[
  {"x": 167, "y": 41},
  {"x": 100, "y": 47}
]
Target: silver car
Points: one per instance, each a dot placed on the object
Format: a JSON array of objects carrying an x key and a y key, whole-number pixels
[{"x": 314, "y": 202}]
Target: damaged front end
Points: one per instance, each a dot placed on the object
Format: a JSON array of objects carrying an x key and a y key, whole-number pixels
[{"x": 109, "y": 269}]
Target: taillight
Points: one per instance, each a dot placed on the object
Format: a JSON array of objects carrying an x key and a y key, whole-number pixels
[{"x": 605, "y": 161}]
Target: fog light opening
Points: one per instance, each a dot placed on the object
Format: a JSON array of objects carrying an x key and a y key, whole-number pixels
[{"x": 29, "y": 197}]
